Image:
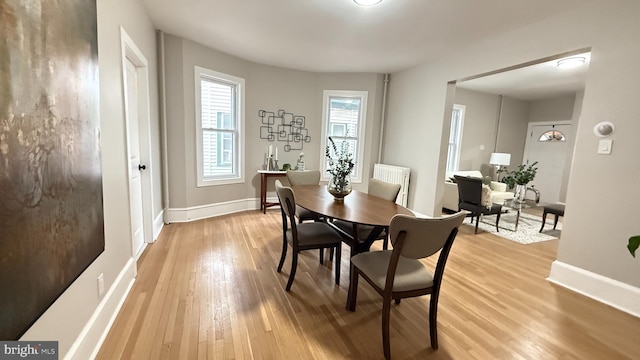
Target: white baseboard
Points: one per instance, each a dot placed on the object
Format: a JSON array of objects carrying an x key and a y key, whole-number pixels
[
  {"x": 95, "y": 331},
  {"x": 213, "y": 210},
  {"x": 614, "y": 293},
  {"x": 158, "y": 224}
]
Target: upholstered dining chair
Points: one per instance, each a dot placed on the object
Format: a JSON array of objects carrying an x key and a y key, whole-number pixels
[
  {"x": 470, "y": 199},
  {"x": 303, "y": 236},
  {"x": 307, "y": 177},
  {"x": 398, "y": 273},
  {"x": 381, "y": 189}
]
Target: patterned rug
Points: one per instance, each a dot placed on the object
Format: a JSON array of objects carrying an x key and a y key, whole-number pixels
[{"x": 528, "y": 227}]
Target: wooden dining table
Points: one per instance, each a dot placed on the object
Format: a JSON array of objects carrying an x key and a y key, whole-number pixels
[{"x": 357, "y": 208}]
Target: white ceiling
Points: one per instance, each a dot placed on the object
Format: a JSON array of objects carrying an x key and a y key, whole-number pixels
[
  {"x": 340, "y": 36},
  {"x": 540, "y": 81}
]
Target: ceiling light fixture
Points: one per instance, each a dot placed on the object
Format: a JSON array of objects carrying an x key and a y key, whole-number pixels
[
  {"x": 571, "y": 62},
  {"x": 367, "y": 2}
]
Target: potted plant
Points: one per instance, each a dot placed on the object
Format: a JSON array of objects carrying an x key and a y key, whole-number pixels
[
  {"x": 519, "y": 178},
  {"x": 340, "y": 166},
  {"x": 634, "y": 244}
]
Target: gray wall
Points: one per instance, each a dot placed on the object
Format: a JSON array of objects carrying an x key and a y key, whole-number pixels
[
  {"x": 592, "y": 242},
  {"x": 65, "y": 320},
  {"x": 479, "y": 131},
  {"x": 554, "y": 109},
  {"x": 268, "y": 88},
  {"x": 512, "y": 129},
  {"x": 501, "y": 122}
]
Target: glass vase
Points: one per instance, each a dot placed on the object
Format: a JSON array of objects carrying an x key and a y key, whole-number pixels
[
  {"x": 520, "y": 193},
  {"x": 339, "y": 187}
]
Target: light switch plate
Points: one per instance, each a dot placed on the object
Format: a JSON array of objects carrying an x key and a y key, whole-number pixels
[{"x": 604, "y": 146}]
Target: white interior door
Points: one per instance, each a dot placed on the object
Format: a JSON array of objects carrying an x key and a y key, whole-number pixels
[
  {"x": 550, "y": 155},
  {"x": 135, "y": 178}
]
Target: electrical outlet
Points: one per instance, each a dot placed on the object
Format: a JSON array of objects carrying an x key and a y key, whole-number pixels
[{"x": 100, "y": 284}]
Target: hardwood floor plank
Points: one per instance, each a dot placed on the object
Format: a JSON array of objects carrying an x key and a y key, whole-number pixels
[{"x": 209, "y": 290}]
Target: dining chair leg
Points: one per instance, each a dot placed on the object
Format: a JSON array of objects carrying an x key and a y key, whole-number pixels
[
  {"x": 283, "y": 255},
  {"x": 385, "y": 243},
  {"x": 433, "y": 319},
  {"x": 321, "y": 256},
  {"x": 497, "y": 221},
  {"x": 331, "y": 254},
  {"x": 386, "y": 309},
  {"x": 353, "y": 289},
  {"x": 477, "y": 222},
  {"x": 337, "y": 262},
  {"x": 294, "y": 266}
]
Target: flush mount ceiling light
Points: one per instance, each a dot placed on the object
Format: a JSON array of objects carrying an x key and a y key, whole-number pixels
[
  {"x": 367, "y": 2},
  {"x": 571, "y": 62}
]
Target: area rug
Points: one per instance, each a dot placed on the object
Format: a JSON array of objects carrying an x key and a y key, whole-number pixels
[{"x": 528, "y": 227}]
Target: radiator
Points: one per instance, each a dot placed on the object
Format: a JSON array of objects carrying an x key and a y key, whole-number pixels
[{"x": 395, "y": 175}]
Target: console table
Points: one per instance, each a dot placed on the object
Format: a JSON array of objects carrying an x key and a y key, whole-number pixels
[{"x": 264, "y": 177}]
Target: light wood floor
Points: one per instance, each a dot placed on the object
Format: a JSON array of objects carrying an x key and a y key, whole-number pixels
[{"x": 209, "y": 290}]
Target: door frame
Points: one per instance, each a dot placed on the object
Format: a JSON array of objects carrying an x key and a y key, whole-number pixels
[
  {"x": 131, "y": 52},
  {"x": 568, "y": 150}
]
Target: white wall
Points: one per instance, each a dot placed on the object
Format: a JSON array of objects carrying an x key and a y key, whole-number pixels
[
  {"x": 591, "y": 240},
  {"x": 79, "y": 317},
  {"x": 268, "y": 88}
]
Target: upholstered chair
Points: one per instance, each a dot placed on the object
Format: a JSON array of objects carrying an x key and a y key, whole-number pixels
[
  {"x": 398, "y": 273},
  {"x": 383, "y": 190},
  {"x": 470, "y": 199},
  {"x": 307, "y": 177},
  {"x": 303, "y": 236}
]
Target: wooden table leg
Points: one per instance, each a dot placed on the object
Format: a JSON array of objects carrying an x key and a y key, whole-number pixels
[{"x": 263, "y": 193}]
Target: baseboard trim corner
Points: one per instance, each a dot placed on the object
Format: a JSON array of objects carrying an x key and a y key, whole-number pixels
[{"x": 612, "y": 292}]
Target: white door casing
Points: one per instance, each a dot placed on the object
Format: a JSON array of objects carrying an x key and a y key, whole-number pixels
[
  {"x": 550, "y": 155},
  {"x": 139, "y": 165}
]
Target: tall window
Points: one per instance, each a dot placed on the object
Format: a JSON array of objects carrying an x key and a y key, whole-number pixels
[
  {"x": 455, "y": 137},
  {"x": 220, "y": 127},
  {"x": 344, "y": 115}
]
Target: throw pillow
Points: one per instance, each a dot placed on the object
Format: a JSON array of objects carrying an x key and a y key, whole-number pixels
[{"x": 485, "y": 200}]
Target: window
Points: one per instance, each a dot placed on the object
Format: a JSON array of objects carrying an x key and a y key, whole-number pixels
[
  {"x": 552, "y": 135},
  {"x": 344, "y": 114},
  {"x": 455, "y": 137},
  {"x": 220, "y": 127}
]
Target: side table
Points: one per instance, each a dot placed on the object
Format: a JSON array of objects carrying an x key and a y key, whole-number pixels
[{"x": 264, "y": 177}]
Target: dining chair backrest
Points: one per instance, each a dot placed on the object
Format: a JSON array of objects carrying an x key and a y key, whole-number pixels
[
  {"x": 383, "y": 189},
  {"x": 287, "y": 199},
  {"x": 307, "y": 177},
  {"x": 423, "y": 237},
  {"x": 469, "y": 189}
]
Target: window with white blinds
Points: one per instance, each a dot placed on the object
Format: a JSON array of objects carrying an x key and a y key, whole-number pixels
[
  {"x": 220, "y": 124},
  {"x": 344, "y": 114},
  {"x": 455, "y": 138}
]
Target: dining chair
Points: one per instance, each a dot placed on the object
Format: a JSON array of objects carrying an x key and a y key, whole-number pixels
[
  {"x": 381, "y": 189},
  {"x": 470, "y": 199},
  {"x": 398, "y": 273},
  {"x": 303, "y": 236},
  {"x": 307, "y": 177}
]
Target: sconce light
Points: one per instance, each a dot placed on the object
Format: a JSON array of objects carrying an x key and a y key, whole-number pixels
[{"x": 604, "y": 129}]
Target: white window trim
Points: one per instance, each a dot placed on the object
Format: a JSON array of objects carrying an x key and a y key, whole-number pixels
[
  {"x": 456, "y": 161},
  {"x": 200, "y": 72},
  {"x": 361, "y": 130}
]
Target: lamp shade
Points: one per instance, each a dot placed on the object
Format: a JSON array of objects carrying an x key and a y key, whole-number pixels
[{"x": 500, "y": 159}]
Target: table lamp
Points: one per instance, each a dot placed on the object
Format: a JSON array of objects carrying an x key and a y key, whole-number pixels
[{"x": 500, "y": 159}]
